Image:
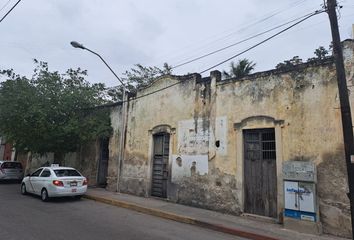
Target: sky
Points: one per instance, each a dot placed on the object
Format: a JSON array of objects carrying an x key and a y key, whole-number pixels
[{"x": 127, "y": 32}]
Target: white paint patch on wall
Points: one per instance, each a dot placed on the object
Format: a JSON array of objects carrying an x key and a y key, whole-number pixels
[
  {"x": 221, "y": 135},
  {"x": 188, "y": 165},
  {"x": 348, "y": 62},
  {"x": 192, "y": 140}
]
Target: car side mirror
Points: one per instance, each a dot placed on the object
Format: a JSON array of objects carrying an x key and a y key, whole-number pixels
[{"x": 28, "y": 175}]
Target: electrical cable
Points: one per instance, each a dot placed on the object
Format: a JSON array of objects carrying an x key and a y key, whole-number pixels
[
  {"x": 8, "y": 12},
  {"x": 239, "y": 42},
  {"x": 263, "y": 41},
  {"x": 5, "y": 5},
  {"x": 256, "y": 22},
  {"x": 266, "y": 17}
]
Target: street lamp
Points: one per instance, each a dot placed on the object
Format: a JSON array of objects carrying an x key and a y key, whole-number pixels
[
  {"x": 79, "y": 45},
  {"x": 121, "y": 142}
]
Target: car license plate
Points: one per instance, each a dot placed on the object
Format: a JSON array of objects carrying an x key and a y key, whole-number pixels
[
  {"x": 73, "y": 190},
  {"x": 73, "y": 184}
]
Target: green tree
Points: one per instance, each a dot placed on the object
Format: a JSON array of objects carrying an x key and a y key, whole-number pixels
[
  {"x": 241, "y": 69},
  {"x": 52, "y": 112},
  {"x": 320, "y": 53},
  {"x": 141, "y": 76},
  {"x": 289, "y": 63},
  {"x": 138, "y": 77}
]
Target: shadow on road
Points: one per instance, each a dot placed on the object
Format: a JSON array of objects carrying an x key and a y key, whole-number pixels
[
  {"x": 17, "y": 182},
  {"x": 56, "y": 199}
]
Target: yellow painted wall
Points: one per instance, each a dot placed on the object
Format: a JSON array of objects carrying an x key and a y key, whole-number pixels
[{"x": 301, "y": 104}]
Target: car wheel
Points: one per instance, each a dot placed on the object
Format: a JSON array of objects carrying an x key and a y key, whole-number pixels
[
  {"x": 44, "y": 195},
  {"x": 23, "y": 189}
]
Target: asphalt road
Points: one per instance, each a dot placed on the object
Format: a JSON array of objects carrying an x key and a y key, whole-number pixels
[{"x": 27, "y": 218}]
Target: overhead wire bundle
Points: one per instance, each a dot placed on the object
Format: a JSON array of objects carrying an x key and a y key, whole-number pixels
[{"x": 294, "y": 22}]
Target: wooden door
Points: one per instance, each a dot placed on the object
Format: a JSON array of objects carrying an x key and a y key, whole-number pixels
[
  {"x": 160, "y": 165},
  {"x": 103, "y": 162},
  {"x": 260, "y": 178}
]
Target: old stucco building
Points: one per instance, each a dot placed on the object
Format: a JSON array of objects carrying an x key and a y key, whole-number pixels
[{"x": 221, "y": 144}]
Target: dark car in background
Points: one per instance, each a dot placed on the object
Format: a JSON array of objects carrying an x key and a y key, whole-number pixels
[{"x": 10, "y": 170}]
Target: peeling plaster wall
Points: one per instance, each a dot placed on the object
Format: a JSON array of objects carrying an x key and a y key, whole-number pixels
[
  {"x": 116, "y": 120},
  {"x": 144, "y": 114},
  {"x": 34, "y": 161},
  {"x": 185, "y": 166},
  {"x": 206, "y": 118},
  {"x": 185, "y": 110},
  {"x": 85, "y": 161},
  {"x": 306, "y": 99}
]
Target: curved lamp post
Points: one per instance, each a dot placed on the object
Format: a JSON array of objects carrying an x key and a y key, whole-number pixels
[{"x": 121, "y": 142}]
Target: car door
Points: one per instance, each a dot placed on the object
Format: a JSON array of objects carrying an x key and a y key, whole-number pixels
[
  {"x": 34, "y": 181},
  {"x": 43, "y": 180}
]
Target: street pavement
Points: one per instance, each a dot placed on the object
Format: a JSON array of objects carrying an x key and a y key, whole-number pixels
[
  {"x": 249, "y": 227},
  {"x": 27, "y": 218}
]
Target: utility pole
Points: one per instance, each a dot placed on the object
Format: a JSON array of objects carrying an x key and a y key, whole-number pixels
[{"x": 344, "y": 103}]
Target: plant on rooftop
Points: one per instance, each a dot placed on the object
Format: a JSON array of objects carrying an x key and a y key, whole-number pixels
[{"x": 242, "y": 68}]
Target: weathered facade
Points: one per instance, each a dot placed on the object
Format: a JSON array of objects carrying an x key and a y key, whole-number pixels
[
  {"x": 221, "y": 144},
  {"x": 196, "y": 141}
]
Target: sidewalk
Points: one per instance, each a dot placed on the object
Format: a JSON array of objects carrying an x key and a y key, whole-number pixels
[{"x": 239, "y": 226}]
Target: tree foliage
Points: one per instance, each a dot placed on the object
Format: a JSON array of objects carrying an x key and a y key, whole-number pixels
[
  {"x": 241, "y": 69},
  {"x": 138, "y": 77},
  {"x": 141, "y": 76},
  {"x": 289, "y": 63},
  {"x": 51, "y": 112},
  {"x": 321, "y": 53}
]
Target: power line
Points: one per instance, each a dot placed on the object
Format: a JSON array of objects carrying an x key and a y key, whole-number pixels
[
  {"x": 5, "y": 5},
  {"x": 159, "y": 90},
  {"x": 239, "y": 42},
  {"x": 266, "y": 17},
  {"x": 10, "y": 11},
  {"x": 267, "y": 39},
  {"x": 263, "y": 18},
  {"x": 263, "y": 41}
]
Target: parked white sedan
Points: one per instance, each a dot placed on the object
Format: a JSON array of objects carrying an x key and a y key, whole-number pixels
[{"x": 55, "y": 182}]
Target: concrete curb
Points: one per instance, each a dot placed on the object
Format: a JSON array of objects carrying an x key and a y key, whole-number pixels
[{"x": 179, "y": 218}]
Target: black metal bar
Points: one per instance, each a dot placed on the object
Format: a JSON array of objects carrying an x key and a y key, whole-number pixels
[{"x": 344, "y": 102}]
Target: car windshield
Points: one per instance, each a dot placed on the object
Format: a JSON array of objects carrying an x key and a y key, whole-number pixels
[{"x": 67, "y": 173}]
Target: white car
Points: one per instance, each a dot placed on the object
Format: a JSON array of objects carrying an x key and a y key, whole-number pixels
[{"x": 55, "y": 182}]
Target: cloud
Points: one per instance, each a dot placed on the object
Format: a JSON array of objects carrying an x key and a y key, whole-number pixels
[{"x": 153, "y": 32}]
